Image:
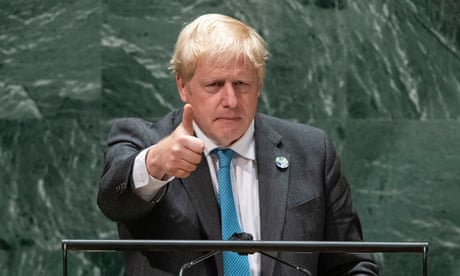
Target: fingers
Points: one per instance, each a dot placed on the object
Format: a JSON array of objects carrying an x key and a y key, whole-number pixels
[
  {"x": 182, "y": 166},
  {"x": 186, "y": 151},
  {"x": 182, "y": 156},
  {"x": 171, "y": 158}
]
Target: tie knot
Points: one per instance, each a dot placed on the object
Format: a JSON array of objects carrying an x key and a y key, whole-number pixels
[{"x": 225, "y": 157}]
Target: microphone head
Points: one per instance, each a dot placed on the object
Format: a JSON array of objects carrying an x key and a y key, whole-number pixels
[{"x": 242, "y": 236}]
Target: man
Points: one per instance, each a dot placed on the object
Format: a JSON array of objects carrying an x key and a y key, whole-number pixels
[{"x": 160, "y": 182}]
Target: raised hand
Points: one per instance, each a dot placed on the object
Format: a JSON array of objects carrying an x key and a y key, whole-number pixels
[{"x": 178, "y": 154}]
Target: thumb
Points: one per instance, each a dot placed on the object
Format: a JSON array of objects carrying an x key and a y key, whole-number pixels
[{"x": 187, "y": 119}]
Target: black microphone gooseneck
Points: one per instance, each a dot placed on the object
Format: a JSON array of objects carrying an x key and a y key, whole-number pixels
[
  {"x": 196, "y": 261},
  {"x": 235, "y": 237},
  {"x": 243, "y": 236},
  {"x": 248, "y": 237}
]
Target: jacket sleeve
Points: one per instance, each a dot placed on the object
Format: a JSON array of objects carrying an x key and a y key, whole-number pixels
[
  {"x": 342, "y": 221},
  {"x": 116, "y": 199}
]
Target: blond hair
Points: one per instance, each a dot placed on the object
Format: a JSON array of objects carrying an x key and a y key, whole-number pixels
[{"x": 220, "y": 38}]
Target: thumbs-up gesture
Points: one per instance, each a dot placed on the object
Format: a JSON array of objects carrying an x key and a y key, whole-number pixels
[{"x": 179, "y": 153}]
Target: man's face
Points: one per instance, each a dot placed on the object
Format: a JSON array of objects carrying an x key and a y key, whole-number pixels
[{"x": 223, "y": 97}]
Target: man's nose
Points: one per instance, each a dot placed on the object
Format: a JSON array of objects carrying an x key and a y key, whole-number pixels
[{"x": 229, "y": 95}]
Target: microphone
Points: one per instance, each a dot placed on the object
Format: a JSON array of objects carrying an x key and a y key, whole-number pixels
[
  {"x": 235, "y": 237},
  {"x": 243, "y": 236}
]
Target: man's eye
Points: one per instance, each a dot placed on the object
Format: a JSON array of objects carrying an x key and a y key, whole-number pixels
[
  {"x": 214, "y": 84},
  {"x": 240, "y": 83}
]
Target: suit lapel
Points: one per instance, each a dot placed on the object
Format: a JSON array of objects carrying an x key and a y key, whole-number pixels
[
  {"x": 273, "y": 186},
  {"x": 201, "y": 193}
]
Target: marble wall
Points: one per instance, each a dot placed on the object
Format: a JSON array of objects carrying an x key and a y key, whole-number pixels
[{"x": 381, "y": 76}]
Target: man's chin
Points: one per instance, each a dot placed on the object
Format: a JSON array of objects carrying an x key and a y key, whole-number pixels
[{"x": 226, "y": 140}]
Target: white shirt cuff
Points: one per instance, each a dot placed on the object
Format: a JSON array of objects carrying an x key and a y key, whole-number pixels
[{"x": 144, "y": 185}]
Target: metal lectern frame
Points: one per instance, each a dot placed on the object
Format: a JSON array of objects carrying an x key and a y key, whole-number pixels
[{"x": 245, "y": 246}]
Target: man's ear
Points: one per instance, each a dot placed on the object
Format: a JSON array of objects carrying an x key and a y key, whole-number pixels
[{"x": 181, "y": 88}]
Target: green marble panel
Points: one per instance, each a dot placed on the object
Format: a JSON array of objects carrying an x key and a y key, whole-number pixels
[
  {"x": 381, "y": 77},
  {"x": 50, "y": 171},
  {"x": 405, "y": 182},
  {"x": 405, "y": 179},
  {"x": 49, "y": 59}
]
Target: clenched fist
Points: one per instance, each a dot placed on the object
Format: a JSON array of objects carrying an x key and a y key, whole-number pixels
[{"x": 178, "y": 154}]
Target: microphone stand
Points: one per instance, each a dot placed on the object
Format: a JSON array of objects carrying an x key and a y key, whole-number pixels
[
  {"x": 196, "y": 261},
  {"x": 298, "y": 268},
  {"x": 243, "y": 236}
]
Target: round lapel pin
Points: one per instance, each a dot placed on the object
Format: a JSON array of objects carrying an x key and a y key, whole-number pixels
[{"x": 281, "y": 162}]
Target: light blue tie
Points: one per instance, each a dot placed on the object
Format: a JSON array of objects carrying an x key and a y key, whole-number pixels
[{"x": 234, "y": 264}]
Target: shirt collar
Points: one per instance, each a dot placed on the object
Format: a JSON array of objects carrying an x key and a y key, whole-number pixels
[{"x": 244, "y": 147}]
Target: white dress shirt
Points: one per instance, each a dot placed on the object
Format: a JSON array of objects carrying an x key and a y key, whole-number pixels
[{"x": 244, "y": 183}]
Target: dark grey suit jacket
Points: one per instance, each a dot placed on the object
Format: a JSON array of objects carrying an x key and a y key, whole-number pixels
[{"x": 308, "y": 201}]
